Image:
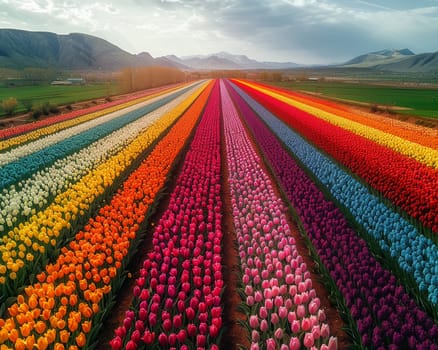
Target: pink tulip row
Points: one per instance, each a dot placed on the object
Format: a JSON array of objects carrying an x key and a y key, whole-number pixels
[
  {"x": 177, "y": 298},
  {"x": 282, "y": 307}
]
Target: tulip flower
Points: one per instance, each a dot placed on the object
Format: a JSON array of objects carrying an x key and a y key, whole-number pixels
[
  {"x": 68, "y": 144},
  {"x": 79, "y": 198},
  {"x": 254, "y": 346},
  {"x": 263, "y": 312},
  {"x": 49, "y": 125},
  {"x": 120, "y": 226},
  {"x": 271, "y": 344},
  {"x": 279, "y": 333},
  {"x": 198, "y": 296},
  {"x": 378, "y": 212},
  {"x": 131, "y": 345},
  {"x": 116, "y": 343},
  {"x": 254, "y": 321},
  {"x": 294, "y": 343},
  {"x": 338, "y": 246},
  {"x": 308, "y": 340},
  {"x": 264, "y": 325},
  {"x": 269, "y": 297}
]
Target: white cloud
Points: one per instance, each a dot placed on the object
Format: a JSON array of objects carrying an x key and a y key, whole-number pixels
[{"x": 308, "y": 31}]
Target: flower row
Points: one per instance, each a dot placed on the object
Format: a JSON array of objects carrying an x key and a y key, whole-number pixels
[
  {"x": 384, "y": 314},
  {"x": 414, "y": 253},
  {"x": 412, "y": 132},
  {"x": 178, "y": 294},
  {"x": 26, "y": 248},
  {"x": 35, "y": 193},
  {"x": 64, "y": 310},
  {"x": 26, "y": 166},
  {"x": 283, "y": 309},
  {"x": 28, "y": 132},
  {"x": 46, "y": 141},
  {"x": 423, "y": 154},
  {"x": 407, "y": 183}
]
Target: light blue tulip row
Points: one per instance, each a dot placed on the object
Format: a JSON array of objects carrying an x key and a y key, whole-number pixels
[
  {"x": 415, "y": 253},
  {"x": 26, "y": 166}
]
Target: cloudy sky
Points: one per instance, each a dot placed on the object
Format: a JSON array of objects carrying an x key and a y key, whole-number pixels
[{"x": 302, "y": 31}]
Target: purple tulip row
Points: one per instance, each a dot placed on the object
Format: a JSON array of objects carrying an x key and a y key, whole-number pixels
[
  {"x": 283, "y": 309},
  {"x": 177, "y": 298},
  {"x": 385, "y": 315}
]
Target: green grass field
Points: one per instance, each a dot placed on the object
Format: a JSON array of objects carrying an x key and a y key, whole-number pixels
[
  {"x": 59, "y": 95},
  {"x": 420, "y": 101}
]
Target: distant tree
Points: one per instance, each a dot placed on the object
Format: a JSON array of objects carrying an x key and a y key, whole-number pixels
[
  {"x": 38, "y": 75},
  {"x": 277, "y": 76},
  {"x": 302, "y": 77},
  {"x": 27, "y": 105},
  {"x": 9, "y": 105},
  {"x": 228, "y": 73},
  {"x": 140, "y": 78}
]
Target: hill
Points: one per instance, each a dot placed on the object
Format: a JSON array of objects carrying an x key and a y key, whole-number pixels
[
  {"x": 396, "y": 61},
  {"x": 20, "y": 49},
  {"x": 225, "y": 60},
  {"x": 379, "y": 57},
  {"x": 425, "y": 62}
]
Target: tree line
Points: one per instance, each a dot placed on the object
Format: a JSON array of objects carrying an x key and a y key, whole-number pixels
[{"x": 139, "y": 78}]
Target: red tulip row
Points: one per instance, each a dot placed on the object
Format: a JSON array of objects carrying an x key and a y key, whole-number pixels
[
  {"x": 412, "y": 132},
  {"x": 404, "y": 181},
  {"x": 177, "y": 300}
]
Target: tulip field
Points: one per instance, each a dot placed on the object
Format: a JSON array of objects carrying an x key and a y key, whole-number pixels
[{"x": 129, "y": 212}]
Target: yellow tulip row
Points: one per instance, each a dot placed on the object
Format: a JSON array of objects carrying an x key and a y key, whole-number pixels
[
  {"x": 33, "y": 135},
  {"x": 423, "y": 154},
  {"x": 26, "y": 242}
]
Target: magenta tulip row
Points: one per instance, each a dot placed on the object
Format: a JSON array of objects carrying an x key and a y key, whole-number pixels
[
  {"x": 177, "y": 298},
  {"x": 283, "y": 310}
]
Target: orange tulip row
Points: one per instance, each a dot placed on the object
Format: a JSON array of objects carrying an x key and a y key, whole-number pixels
[
  {"x": 23, "y": 250},
  {"x": 63, "y": 309}
]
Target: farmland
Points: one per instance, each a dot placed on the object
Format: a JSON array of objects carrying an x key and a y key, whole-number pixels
[
  {"x": 59, "y": 95},
  {"x": 422, "y": 101},
  {"x": 220, "y": 213}
]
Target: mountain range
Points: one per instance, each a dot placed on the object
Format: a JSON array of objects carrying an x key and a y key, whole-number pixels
[
  {"x": 20, "y": 49},
  {"x": 403, "y": 60},
  {"x": 225, "y": 60}
]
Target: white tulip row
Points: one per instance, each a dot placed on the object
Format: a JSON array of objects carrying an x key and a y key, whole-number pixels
[
  {"x": 23, "y": 200},
  {"x": 46, "y": 141}
]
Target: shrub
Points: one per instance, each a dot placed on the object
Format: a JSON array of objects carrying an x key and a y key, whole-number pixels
[
  {"x": 53, "y": 108},
  {"x": 374, "y": 108},
  {"x": 46, "y": 108},
  {"x": 9, "y": 105},
  {"x": 27, "y": 104},
  {"x": 37, "y": 111}
]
